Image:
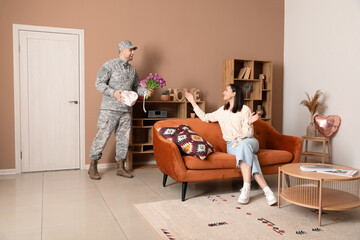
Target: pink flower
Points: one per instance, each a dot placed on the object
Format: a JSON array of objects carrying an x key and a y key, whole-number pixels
[{"x": 143, "y": 83}]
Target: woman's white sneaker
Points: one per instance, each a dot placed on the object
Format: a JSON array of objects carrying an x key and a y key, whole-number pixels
[
  {"x": 270, "y": 198},
  {"x": 244, "y": 196}
]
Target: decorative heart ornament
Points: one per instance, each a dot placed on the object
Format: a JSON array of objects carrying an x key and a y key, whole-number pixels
[
  {"x": 327, "y": 126},
  {"x": 130, "y": 97}
]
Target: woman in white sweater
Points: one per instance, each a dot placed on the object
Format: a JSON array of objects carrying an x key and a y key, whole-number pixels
[{"x": 236, "y": 123}]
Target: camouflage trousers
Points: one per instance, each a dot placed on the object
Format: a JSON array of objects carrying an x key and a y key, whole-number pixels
[{"x": 108, "y": 122}]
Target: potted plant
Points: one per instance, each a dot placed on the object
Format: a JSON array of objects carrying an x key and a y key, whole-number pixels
[
  {"x": 165, "y": 95},
  {"x": 313, "y": 105},
  {"x": 192, "y": 114}
]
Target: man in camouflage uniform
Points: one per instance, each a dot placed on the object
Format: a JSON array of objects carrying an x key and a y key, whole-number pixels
[{"x": 113, "y": 77}]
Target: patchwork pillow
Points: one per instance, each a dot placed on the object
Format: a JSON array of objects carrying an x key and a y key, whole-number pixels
[
  {"x": 188, "y": 141},
  {"x": 193, "y": 145},
  {"x": 169, "y": 133}
]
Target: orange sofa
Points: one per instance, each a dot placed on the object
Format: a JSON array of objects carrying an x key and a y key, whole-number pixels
[{"x": 275, "y": 150}]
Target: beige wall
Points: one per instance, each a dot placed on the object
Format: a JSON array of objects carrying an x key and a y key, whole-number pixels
[
  {"x": 184, "y": 41},
  {"x": 333, "y": 45}
]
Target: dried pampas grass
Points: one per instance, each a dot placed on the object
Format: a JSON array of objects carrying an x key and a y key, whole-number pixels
[{"x": 312, "y": 103}]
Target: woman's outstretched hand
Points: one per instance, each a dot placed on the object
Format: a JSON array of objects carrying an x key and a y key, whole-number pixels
[
  {"x": 189, "y": 96},
  {"x": 254, "y": 117}
]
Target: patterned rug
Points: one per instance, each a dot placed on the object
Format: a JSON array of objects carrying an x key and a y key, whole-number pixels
[{"x": 222, "y": 217}]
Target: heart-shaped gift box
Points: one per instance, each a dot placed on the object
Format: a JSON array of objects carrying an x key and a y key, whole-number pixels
[{"x": 129, "y": 97}]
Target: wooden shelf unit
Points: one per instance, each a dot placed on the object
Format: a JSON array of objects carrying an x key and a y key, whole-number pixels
[
  {"x": 261, "y": 93},
  {"x": 141, "y": 152}
]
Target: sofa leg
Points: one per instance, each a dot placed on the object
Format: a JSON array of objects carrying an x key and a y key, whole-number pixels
[
  {"x": 164, "y": 179},
  {"x": 184, "y": 186}
]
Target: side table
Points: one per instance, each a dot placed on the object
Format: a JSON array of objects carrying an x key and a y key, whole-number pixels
[
  {"x": 325, "y": 142},
  {"x": 318, "y": 190}
]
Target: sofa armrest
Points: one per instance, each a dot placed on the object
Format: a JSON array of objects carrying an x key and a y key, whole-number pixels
[
  {"x": 269, "y": 138},
  {"x": 291, "y": 144},
  {"x": 168, "y": 157}
]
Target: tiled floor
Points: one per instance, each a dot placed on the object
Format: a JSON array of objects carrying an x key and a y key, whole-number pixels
[{"x": 69, "y": 205}]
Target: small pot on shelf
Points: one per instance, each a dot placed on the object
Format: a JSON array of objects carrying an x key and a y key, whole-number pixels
[{"x": 165, "y": 95}]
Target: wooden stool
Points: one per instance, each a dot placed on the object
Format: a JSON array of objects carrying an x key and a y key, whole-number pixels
[{"x": 325, "y": 141}]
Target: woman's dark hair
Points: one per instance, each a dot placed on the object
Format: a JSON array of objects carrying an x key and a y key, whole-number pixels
[{"x": 238, "y": 101}]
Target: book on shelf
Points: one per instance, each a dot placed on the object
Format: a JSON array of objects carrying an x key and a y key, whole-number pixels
[
  {"x": 247, "y": 73},
  {"x": 315, "y": 168},
  {"x": 340, "y": 172},
  {"x": 241, "y": 73}
]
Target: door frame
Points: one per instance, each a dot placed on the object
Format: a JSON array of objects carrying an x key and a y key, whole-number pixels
[{"x": 17, "y": 111}]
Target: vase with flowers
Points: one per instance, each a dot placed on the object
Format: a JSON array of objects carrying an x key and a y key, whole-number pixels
[
  {"x": 152, "y": 82},
  {"x": 313, "y": 105}
]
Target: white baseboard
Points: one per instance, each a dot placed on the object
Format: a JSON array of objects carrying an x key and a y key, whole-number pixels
[
  {"x": 152, "y": 162},
  {"x": 7, "y": 171},
  {"x": 113, "y": 165},
  {"x": 102, "y": 165}
]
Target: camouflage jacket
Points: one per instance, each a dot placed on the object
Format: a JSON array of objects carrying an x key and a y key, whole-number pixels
[{"x": 114, "y": 75}]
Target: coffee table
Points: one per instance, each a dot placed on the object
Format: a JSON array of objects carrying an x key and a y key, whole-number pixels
[{"x": 318, "y": 190}]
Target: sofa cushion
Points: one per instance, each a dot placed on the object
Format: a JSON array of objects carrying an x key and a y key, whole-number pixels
[
  {"x": 221, "y": 160},
  {"x": 217, "y": 160},
  {"x": 188, "y": 141},
  {"x": 269, "y": 157}
]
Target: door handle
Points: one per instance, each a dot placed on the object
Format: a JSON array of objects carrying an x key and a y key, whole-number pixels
[{"x": 75, "y": 102}]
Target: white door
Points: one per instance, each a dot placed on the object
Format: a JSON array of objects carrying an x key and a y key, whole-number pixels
[{"x": 49, "y": 101}]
